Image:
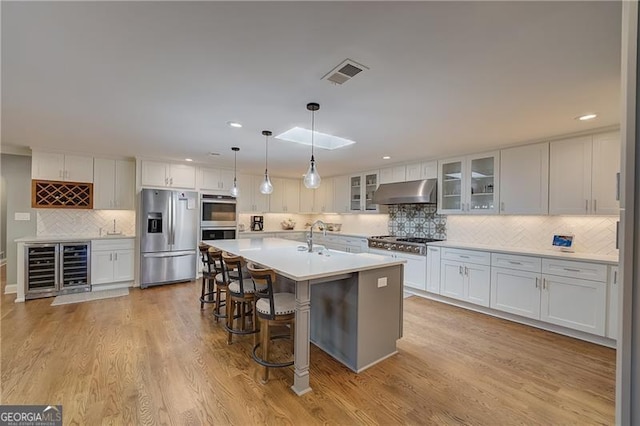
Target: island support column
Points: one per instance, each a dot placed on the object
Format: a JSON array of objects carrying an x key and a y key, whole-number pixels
[{"x": 302, "y": 346}]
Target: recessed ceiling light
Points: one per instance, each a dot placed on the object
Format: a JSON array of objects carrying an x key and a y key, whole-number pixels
[
  {"x": 586, "y": 117},
  {"x": 188, "y": 159},
  {"x": 321, "y": 140},
  {"x": 386, "y": 157},
  {"x": 234, "y": 124}
]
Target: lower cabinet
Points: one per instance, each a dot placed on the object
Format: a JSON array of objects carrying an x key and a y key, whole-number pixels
[
  {"x": 414, "y": 269},
  {"x": 112, "y": 261},
  {"x": 516, "y": 292},
  {"x": 433, "y": 269},
  {"x": 462, "y": 279},
  {"x": 574, "y": 303}
]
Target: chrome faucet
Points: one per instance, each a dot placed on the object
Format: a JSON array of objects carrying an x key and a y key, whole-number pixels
[{"x": 310, "y": 239}]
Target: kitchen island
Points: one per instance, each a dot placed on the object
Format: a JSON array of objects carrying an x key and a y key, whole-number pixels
[{"x": 349, "y": 305}]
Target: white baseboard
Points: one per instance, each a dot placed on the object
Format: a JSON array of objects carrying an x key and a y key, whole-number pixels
[
  {"x": 11, "y": 289},
  {"x": 19, "y": 300},
  {"x": 111, "y": 286}
]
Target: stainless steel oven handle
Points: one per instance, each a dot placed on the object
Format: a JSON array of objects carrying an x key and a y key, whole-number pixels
[
  {"x": 169, "y": 254},
  {"x": 213, "y": 201}
]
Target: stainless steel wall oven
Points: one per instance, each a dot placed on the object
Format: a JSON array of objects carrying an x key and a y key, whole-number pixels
[{"x": 218, "y": 211}]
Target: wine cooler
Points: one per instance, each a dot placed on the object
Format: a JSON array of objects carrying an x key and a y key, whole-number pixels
[{"x": 53, "y": 269}]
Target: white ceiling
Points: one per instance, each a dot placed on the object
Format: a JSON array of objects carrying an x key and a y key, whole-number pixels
[{"x": 161, "y": 79}]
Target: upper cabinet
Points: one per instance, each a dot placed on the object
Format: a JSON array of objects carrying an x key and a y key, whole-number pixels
[
  {"x": 114, "y": 184},
  {"x": 320, "y": 200},
  {"x": 216, "y": 179},
  {"x": 583, "y": 175},
  {"x": 285, "y": 197},
  {"x": 469, "y": 185},
  {"x": 249, "y": 197},
  {"x": 341, "y": 194},
  {"x": 155, "y": 173},
  {"x": 420, "y": 171},
  {"x": 61, "y": 167},
  {"x": 393, "y": 174},
  {"x": 524, "y": 180},
  {"x": 361, "y": 189}
]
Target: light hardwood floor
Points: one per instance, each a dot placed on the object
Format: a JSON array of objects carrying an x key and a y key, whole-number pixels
[{"x": 154, "y": 358}]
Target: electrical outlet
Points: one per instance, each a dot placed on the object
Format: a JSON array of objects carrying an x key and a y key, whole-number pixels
[
  {"x": 22, "y": 216},
  {"x": 382, "y": 282}
]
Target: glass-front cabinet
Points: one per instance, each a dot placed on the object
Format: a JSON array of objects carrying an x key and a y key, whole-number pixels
[
  {"x": 469, "y": 185},
  {"x": 361, "y": 189}
]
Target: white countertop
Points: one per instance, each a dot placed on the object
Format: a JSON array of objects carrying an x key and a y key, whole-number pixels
[
  {"x": 556, "y": 254},
  {"x": 284, "y": 257},
  {"x": 65, "y": 238}
]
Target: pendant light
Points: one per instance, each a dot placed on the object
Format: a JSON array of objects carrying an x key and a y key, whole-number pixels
[
  {"x": 234, "y": 189},
  {"x": 312, "y": 178},
  {"x": 266, "y": 187}
]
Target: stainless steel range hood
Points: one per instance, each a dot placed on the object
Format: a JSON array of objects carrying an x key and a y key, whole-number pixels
[{"x": 414, "y": 192}]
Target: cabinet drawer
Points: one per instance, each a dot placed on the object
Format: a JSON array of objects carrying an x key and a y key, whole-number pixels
[
  {"x": 520, "y": 263},
  {"x": 470, "y": 256},
  {"x": 108, "y": 245},
  {"x": 572, "y": 269}
]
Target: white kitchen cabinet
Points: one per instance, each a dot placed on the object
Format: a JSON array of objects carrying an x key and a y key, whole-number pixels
[
  {"x": 420, "y": 171},
  {"x": 393, "y": 174},
  {"x": 341, "y": 194},
  {"x": 249, "y": 197},
  {"x": 415, "y": 267},
  {"x": 112, "y": 261},
  {"x": 61, "y": 167},
  {"x": 361, "y": 189},
  {"x": 216, "y": 179},
  {"x": 323, "y": 198},
  {"x": 466, "y": 275},
  {"x": 469, "y": 185},
  {"x": 113, "y": 184},
  {"x": 172, "y": 175},
  {"x": 524, "y": 180},
  {"x": 613, "y": 302},
  {"x": 582, "y": 175},
  {"x": 516, "y": 292},
  {"x": 285, "y": 197},
  {"x": 433, "y": 269},
  {"x": 307, "y": 197}
]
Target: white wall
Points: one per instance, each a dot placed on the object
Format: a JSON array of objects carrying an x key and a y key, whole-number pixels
[{"x": 16, "y": 178}]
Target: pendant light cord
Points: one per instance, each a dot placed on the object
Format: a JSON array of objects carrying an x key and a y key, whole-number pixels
[
  {"x": 266, "y": 154},
  {"x": 313, "y": 126}
]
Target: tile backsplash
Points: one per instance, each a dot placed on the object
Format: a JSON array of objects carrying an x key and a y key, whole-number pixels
[
  {"x": 417, "y": 220},
  {"x": 593, "y": 234},
  {"x": 84, "y": 222}
]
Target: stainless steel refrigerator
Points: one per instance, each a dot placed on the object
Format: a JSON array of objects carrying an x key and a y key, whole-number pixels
[{"x": 168, "y": 236}]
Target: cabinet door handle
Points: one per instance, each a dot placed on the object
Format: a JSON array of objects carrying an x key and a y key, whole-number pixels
[
  {"x": 615, "y": 277},
  {"x": 536, "y": 282},
  {"x": 171, "y": 179},
  {"x": 515, "y": 263},
  {"x": 110, "y": 257},
  {"x": 166, "y": 181},
  {"x": 571, "y": 270},
  {"x": 460, "y": 270},
  {"x": 502, "y": 206},
  {"x": 586, "y": 206},
  {"x": 466, "y": 271},
  {"x": 595, "y": 206},
  {"x": 618, "y": 186},
  {"x": 544, "y": 283},
  {"x": 463, "y": 256},
  {"x": 115, "y": 255}
]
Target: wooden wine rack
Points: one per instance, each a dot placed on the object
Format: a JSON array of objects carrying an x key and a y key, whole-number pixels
[{"x": 49, "y": 194}]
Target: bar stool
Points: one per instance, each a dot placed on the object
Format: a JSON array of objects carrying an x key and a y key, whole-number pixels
[
  {"x": 240, "y": 297},
  {"x": 208, "y": 276},
  {"x": 221, "y": 279},
  {"x": 273, "y": 309}
]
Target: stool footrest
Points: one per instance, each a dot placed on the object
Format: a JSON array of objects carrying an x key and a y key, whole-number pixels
[{"x": 264, "y": 363}]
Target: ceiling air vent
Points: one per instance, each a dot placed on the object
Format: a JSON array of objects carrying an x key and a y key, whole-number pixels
[{"x": 344, "y": 72}]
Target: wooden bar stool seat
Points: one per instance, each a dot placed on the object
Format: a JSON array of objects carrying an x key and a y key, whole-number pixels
[
  {"x": 240, "y": 298},
  {"x": 273, "y": 309}
]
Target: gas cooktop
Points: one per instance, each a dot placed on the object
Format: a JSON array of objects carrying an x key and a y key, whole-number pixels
[{"x": 413, "y": 245}]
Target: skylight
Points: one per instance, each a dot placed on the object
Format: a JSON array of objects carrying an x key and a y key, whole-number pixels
[{"x": 321, "y": 140}]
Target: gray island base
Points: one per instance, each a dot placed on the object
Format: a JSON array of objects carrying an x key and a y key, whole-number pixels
[{"x": 347, "y": 304}]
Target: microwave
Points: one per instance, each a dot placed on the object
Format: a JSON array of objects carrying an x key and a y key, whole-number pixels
[{"x": 218, "y": 210}]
